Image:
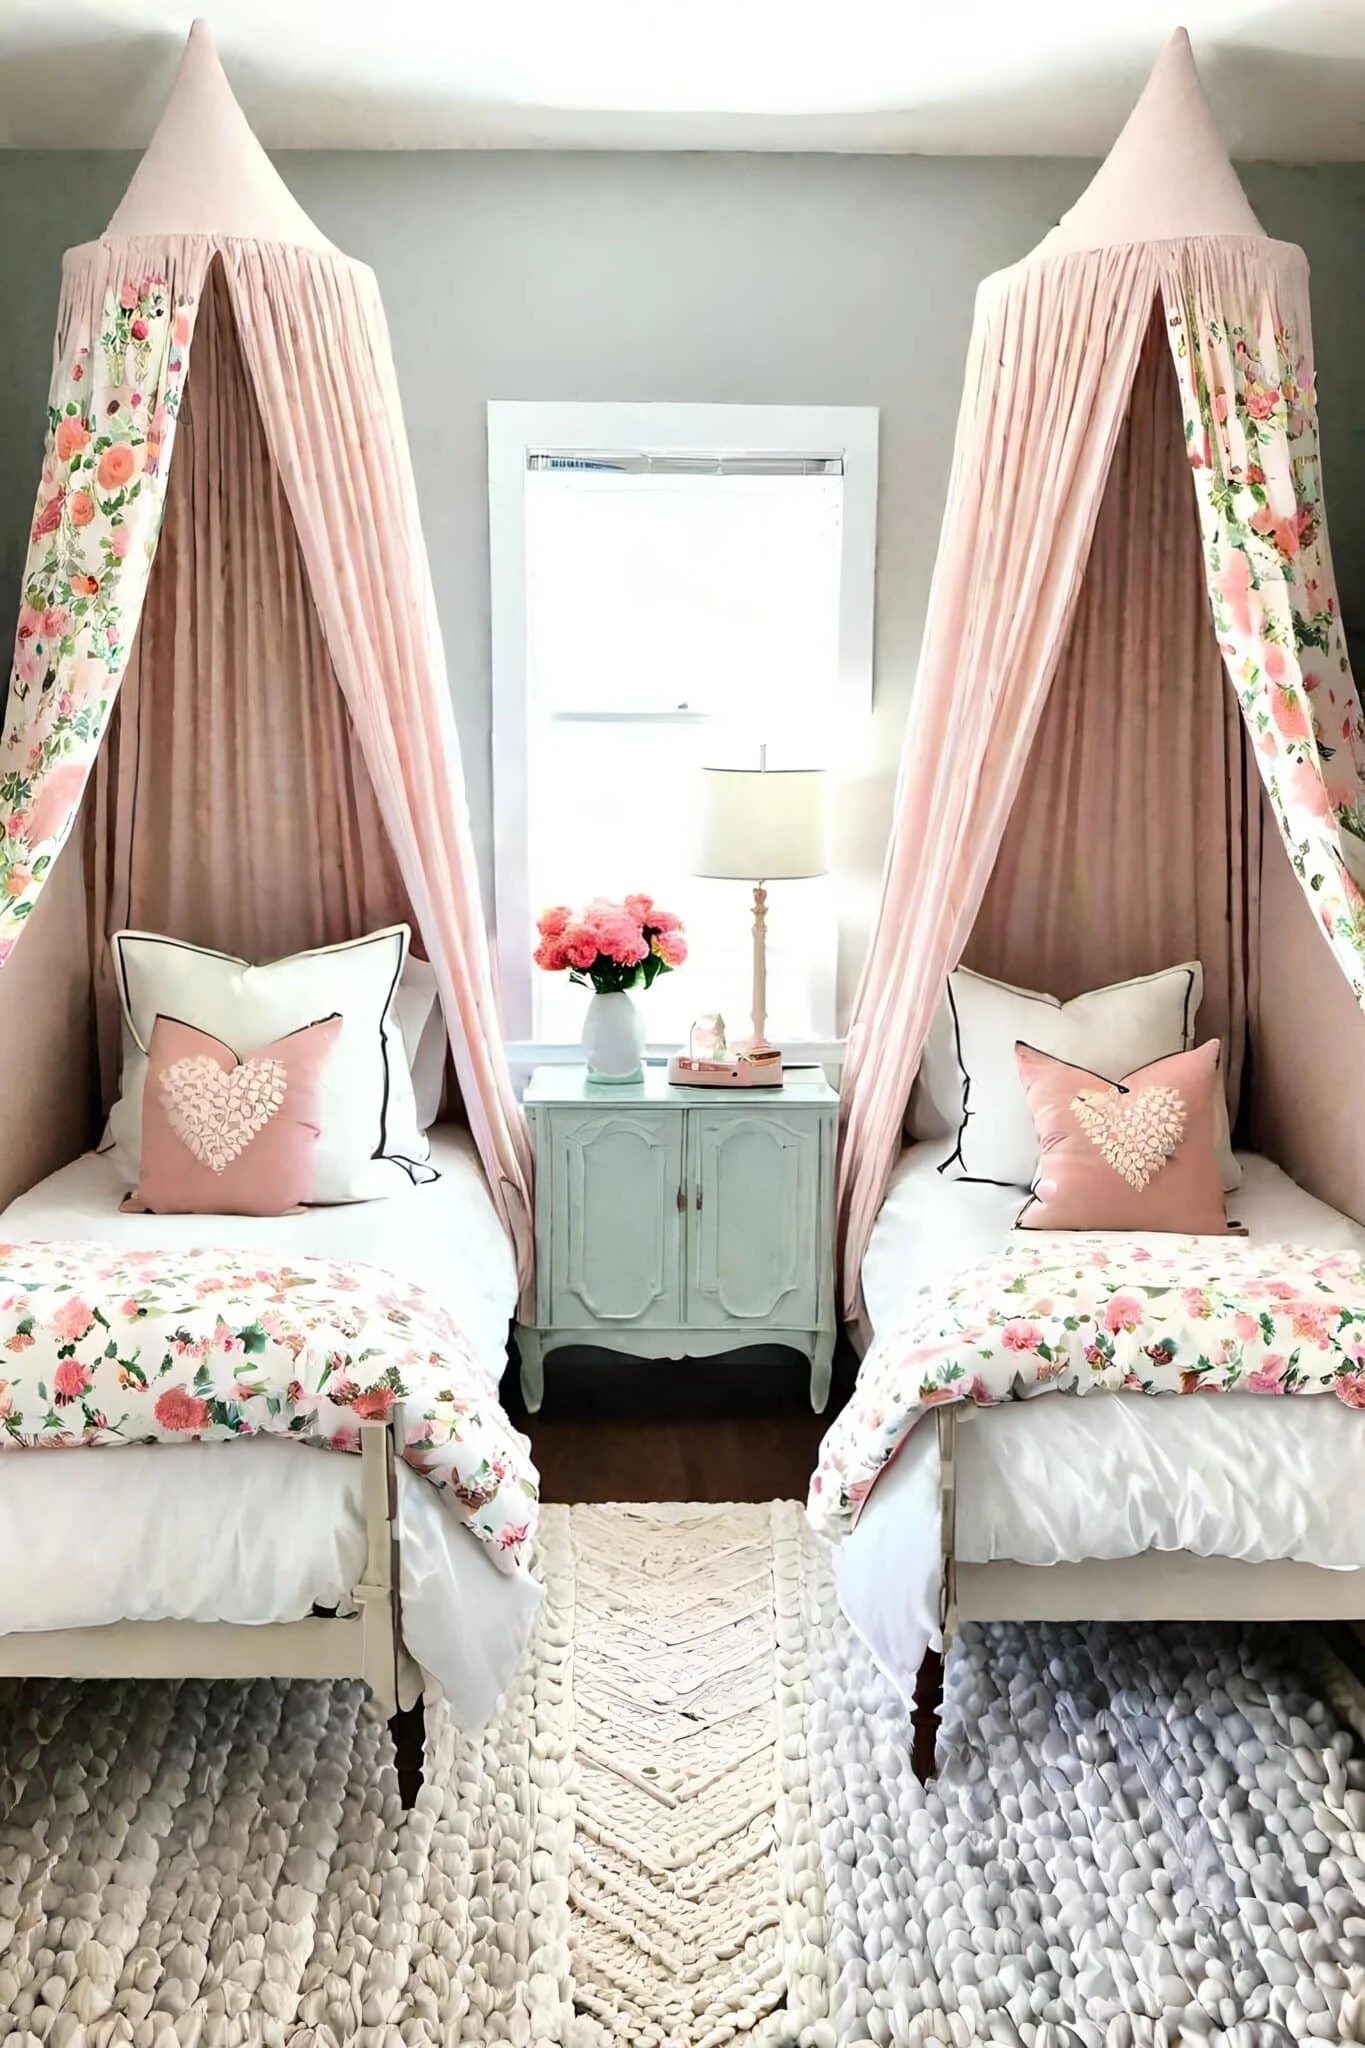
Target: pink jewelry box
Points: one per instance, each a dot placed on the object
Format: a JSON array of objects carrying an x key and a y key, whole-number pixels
[{"x": 686, "y": 1072}]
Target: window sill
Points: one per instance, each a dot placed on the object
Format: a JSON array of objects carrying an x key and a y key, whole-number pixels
[{"x": 525, "y": 1054}]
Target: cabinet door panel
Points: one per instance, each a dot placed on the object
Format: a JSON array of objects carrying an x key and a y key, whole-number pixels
[
  {"x": 616, "y": 1229},
  {"x": 753, "y": 1219}
]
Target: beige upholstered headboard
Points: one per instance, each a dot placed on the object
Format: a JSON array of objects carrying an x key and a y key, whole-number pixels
[
  {"x": 46, "y": 1036},
  {"x": 1305, "y": 1106}
]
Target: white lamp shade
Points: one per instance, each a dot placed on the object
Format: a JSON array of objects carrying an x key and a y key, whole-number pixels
[{"x": 761, "y": 824}]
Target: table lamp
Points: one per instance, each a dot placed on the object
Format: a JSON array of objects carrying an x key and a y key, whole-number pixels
[{"x": 761, "y": 825}]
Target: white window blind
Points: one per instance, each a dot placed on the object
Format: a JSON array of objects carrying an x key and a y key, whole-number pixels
[{"x": 680, "y": 609}]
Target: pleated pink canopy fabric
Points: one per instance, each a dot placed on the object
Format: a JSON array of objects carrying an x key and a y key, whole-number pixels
[
  {"x": 315, "y": 343},
  {"x": 1053, "y": 358},
  {"x": 231, "y": 811}
]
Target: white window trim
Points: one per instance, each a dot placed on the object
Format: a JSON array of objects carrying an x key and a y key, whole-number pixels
[{"x": 517, "y": 429}]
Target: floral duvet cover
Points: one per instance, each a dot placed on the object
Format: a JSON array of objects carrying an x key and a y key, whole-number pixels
[
  {"x": 105, "y": 1347},
  {"x": 1081, "y": 1315}
]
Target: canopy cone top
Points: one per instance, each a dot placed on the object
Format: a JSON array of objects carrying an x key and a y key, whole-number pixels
[
  {"x": 204, "y": 172},
  {"x": 1167, "y": 178}
]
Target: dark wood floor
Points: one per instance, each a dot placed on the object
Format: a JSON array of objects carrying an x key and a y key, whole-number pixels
[{"x": 737, "y": 1428}]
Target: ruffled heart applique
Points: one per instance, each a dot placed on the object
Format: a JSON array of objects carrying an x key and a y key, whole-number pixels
[
  {"x": 1135, "y": 1133},
  {"x": 217, "y": 1111}
]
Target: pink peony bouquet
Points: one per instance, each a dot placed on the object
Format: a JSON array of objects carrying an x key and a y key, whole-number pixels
[{"x": 612, "y": 946}]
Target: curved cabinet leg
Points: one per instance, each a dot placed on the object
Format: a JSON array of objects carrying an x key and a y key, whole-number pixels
[
  {"x": 821, "y": 1369},
  {"x": 531, "y": 1350}
]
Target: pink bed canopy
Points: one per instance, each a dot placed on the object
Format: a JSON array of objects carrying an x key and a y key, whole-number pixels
[
  {"x": 1073, "y": 799},
  {"x": 240, "y": 550}
]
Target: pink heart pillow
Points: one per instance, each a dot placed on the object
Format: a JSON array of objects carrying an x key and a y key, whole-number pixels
[
  {"x": 1135, "y": 1154},
  {"x": 223, "y": 1136}
]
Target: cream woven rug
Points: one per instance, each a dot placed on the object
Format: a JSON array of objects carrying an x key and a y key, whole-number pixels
[{"x": 694, "y": 1822}]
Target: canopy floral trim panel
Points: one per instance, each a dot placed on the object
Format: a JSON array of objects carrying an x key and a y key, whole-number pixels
[
  {"x": 111, "y": 420},
  {"x": 1251, "y": 431},
  {"x": 1194, "y": 1315},
  {"x": 105, "y": 1347}
]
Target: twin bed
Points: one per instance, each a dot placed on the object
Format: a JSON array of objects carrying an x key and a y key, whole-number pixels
[
  {"x": 261, "y": 1557},
  {"x": 1110, "y": 1508},
  {"x": 233, "y": 726}
]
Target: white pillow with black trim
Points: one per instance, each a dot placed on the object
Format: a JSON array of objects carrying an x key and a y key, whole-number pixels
[
  {"x": 422, "y": 1023},
  {"x": 369, "y": 1143},
  {"x": 969, "y": 1084}
]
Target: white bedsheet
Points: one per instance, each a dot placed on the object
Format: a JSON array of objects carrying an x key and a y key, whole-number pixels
[
  {"x": 263, "y": 1531},
  {"x": 1056, "y": 1480},
  {"x": 445, "y": 1236},
  {"x": 929, "y": 1226},
  {"x": 250, "y": 1532}
]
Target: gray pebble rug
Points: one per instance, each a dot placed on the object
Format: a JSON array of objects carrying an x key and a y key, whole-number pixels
[{"x": 694, "y": 1822}]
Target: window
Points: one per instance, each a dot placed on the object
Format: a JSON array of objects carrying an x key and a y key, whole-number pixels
[{"x": 673, "y": 587}]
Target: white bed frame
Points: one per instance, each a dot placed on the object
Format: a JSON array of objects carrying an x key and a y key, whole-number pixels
[
  {"x": 1157, "y": 1585},
  {"x": 367, "y": 1644}
]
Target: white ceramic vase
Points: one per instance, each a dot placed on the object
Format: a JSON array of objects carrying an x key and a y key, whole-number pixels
[{"x": 614, "y": 1037}]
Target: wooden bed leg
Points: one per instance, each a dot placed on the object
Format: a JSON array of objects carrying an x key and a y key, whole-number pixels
[
  {"x": 409, "y": 1730},
  {"x": 929, "y": 1677},
  {"x": 924, "y": 1720}
]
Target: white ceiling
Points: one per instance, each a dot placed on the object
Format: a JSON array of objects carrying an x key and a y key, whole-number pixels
[{"x": 1286, "y": 78}]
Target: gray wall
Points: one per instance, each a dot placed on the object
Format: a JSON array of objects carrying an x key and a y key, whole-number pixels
[{"x": 817, "y": 280}]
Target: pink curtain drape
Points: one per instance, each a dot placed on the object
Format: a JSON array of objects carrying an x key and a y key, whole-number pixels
[
  {"x": 316, "y": 351},
  {"x": 1054, "y": 358},
  {"x": 1032, "y": 456},
  {"x": 316, "y": 347},
  {"x": 230, "y": 803},
  {"x": 1134, "y": 839}
]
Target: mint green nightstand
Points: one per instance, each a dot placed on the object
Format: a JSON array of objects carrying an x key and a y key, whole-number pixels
[{"x": 682, "y": 1222}]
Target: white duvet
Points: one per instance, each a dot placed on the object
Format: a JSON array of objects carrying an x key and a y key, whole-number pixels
[
  {"x": 1058, "y": 1481},
  {"x": 264, "y": 1531}
]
